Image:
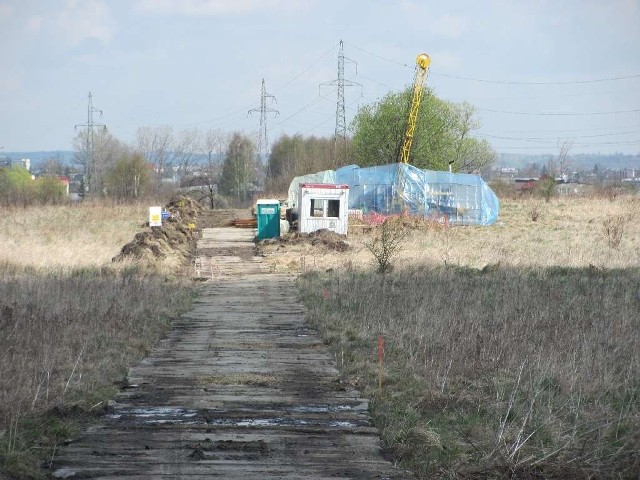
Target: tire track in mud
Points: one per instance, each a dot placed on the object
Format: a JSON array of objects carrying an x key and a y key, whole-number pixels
[{"x": 241, "y": 388}]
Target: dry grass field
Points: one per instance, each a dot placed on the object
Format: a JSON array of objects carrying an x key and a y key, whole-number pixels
[
  {"x": 71, "y": 322},
  {"x": 511, "y": 351},
  {"x": 87, "y": 234}
]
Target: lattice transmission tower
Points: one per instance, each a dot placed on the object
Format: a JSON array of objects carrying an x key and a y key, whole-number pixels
[
  {"x": 90, "y": 164},
  {"x": 263, "y": 137},
  {"x": 341, "y": 121}
]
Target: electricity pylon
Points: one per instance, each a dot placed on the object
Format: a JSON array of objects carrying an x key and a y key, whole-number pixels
[
  {"x": 90, "y": 164},
  {"x": 340, "y": 82},
  {"x": 263, "y": 138}
]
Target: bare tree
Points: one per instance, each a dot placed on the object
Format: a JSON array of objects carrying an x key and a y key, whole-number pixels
[
  {"x": 107, "y": 149},
  {"x": 156, "y": 145},
  {"x": 216, "y": 144},
  {"x": 564, "y": 147},
  {"x": 187, "y": 147}
]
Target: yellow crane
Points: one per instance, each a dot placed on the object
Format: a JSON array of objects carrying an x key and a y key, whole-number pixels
[{"x": 422, "y": 69}]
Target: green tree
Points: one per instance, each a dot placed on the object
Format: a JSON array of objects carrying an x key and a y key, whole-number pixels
[
  {"x": 50, "y": 190},
  {"x": 16, "y": 186},
  {"x": 238, "y": 170},
  {"x": 443, "y": 134},
  {"x": 96, "y": 162},
  {"x": 129, "y": 177},
  {"x": 298, "y": 155}
]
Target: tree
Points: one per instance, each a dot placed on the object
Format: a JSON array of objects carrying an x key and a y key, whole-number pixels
[
  {"x": 443, "y": 134},
  {"x": 297, "y": 155},
  {"x": 186, "y": 148},
  {"x": 50, "y": 190},
  {"x": 107, "y": 149},
  {"x": 128, "y": 177},
  {"x": 238, "y": 170},
  {"x": 563, "y": 158},
  {"x": 156, "y": 146},
  {"x": 215, "y": 144},
  {"x": 16, "y": 186}
]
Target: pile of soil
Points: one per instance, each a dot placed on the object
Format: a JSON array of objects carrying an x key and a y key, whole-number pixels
[
  {"x": 176, "y": 237},
  {"x": 321, "y": 238}
]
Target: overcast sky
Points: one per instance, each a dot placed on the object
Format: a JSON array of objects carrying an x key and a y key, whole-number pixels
[{"x": 537, "y": 71}]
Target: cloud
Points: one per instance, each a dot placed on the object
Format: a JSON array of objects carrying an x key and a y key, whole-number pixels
[
  {"x": 5, "y": 10},
  {"x": 34, "y": 24},
  {"x": 449, "y": 26},
  {"x": 86, "y": 19},
  {"x": 446, "y": 61},
  {"x": 442, "y": 25},
  {"x": 218, "y": 7},
  {"x": 11, "y": 82}
]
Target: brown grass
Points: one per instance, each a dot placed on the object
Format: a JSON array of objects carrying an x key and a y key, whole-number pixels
[
  {"x": 87, "y": 234},
  {"x": 511, "y": 350},
  {"x": 70, "y": 321}
]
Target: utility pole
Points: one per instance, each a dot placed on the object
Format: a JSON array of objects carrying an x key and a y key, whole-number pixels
[
  {"x": 340, "y": 82},
  {"x": 263, "y": 137},
  {"x": 89, "y": 164}
]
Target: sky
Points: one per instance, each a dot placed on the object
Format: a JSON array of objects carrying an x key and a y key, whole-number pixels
[{"x": 539, "y": 73}]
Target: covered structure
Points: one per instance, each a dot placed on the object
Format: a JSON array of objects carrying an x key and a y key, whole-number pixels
[
  {"x": 461, "y": 198},
  {"x": 323, "y": 206}
]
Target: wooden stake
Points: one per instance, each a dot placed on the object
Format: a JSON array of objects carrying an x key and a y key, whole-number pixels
[{"x": 380, "y": 360}]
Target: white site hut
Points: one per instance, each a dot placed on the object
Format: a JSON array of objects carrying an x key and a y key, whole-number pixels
[{"x": 323, "y": 205}]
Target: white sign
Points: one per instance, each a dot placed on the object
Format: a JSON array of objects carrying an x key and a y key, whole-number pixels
[
  {"x": 268, "y": 211},
  {"x": 155, "y": 216}
]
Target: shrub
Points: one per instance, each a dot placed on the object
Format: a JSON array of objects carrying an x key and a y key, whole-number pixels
[
  {"x": 386, "y": 243},
  {"x": 613, "y": 229}
]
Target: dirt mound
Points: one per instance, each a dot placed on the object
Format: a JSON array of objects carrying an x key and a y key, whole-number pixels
[
  {"x": 176, "y": 238},
  {"x": 321, "y": 238}
]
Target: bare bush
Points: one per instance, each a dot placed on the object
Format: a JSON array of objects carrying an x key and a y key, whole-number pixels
[
  {"x": 613, "y": 229},
  {"x": 534, "y": 209},
  {"x": 386, "y": 243}
]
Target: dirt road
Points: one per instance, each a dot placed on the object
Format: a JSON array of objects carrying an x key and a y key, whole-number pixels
[{"x": 240, "y": 389}]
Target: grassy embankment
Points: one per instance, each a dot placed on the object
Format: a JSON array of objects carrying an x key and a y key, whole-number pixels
[
  {"x": 71, "y": 322},
  {"x": 509, "y": 350}
]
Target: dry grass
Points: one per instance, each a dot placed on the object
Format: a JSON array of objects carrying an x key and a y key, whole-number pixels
[
  {"x": 87, "y": 234},
  {"x": 70, "y": 321},
  {"x": 567, "y": 232},
  {"x": 511, "y": 351}
]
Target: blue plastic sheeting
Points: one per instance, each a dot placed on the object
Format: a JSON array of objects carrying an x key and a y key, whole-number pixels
[{"x": 464, "y": 199}]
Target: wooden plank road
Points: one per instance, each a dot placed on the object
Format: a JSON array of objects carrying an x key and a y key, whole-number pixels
[{"x": 241, "y": 388}]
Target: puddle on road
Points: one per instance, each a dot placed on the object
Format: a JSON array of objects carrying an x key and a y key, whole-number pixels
[
  {"x": 186, "y": 416},
  {"x": 157, "y": 415},
  {"x": 283, "y": 422},
  {"x": 320, "y": 408}
]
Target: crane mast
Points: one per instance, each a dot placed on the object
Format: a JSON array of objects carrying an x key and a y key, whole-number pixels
[{"x": 422, "y": 68}]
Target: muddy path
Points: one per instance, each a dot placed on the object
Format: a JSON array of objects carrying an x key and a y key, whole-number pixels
[{"x": 240, "y": 389}]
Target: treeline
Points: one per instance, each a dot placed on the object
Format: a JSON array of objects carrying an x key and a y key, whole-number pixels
[
  {"x": 17, "y": 187},
  {"x": 227, "y": 167}
]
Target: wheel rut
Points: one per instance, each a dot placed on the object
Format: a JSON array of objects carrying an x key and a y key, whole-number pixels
[{"x": 241, "y": 388}]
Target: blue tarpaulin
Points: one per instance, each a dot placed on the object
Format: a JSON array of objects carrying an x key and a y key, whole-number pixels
[{"x": 401, "y": 188}]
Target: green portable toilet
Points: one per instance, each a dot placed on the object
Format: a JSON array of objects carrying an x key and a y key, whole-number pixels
[{"x": 268, "y": 213}]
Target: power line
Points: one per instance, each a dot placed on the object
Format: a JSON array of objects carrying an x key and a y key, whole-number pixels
[
  {"x": 514, "y": 82},
  {"x": 504, "y": 82},
  {"x": 489, "y": 135},
  {"x": 313, "y": 64},
  {"x": 557, "y": 113},
  {"x": 597, "y": 129}
]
